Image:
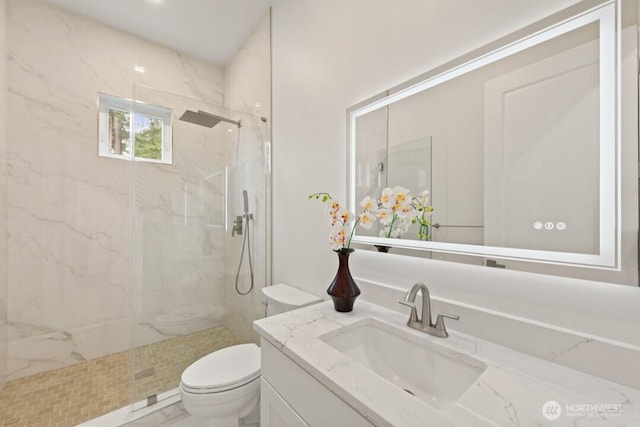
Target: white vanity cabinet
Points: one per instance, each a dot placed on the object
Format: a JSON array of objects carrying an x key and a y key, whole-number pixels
[
  {"x": 275, "y": 411},
  {"x": 291, "y": 397}
]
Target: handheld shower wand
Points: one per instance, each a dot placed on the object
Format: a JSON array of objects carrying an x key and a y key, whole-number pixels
[
  {"x": 245, "y": 199},
  {"x": 246, "y": 241}
]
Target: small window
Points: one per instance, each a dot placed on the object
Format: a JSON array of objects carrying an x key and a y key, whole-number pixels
[{"x": 121, "y": 121}]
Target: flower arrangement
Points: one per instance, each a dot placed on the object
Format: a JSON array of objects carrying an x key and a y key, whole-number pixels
[
  {"x": 341, "y": 229},
  {"x": 396, "y": 209}
]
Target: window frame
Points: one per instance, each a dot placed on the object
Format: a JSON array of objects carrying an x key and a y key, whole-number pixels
[{"x": 109, "y": 102}]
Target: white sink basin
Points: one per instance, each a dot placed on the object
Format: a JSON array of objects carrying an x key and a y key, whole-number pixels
[{"x": 416, "y": 364}]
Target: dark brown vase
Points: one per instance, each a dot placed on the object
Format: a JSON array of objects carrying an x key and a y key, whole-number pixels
[{"x": 343, "y": 289}]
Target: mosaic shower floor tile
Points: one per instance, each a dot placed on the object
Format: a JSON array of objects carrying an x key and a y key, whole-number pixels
[{"x": 67, "y": 396}]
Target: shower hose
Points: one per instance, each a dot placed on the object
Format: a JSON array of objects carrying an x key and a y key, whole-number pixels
[{"x": 246, "y": 242}]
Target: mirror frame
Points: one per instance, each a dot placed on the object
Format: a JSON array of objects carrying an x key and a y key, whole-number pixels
[{"x": 607, "y": 16}]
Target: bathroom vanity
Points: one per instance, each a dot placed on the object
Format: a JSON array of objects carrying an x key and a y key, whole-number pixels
[
  {"x": 290, "y": 396},
  {"x": 321, "y": 367}
]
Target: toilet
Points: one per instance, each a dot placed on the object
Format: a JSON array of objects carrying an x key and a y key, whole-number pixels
[{"x": 223, "y": 387}]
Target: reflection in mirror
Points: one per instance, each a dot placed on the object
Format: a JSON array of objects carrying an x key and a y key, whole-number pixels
[
  {"x": 516, "y": 147},
  {"x": 406, "y": 165},
  {"x": 542, "y": 115}
]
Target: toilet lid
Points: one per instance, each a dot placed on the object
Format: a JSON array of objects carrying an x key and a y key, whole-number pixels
[
  {"x": 235, "y": 365},
  {"x": 289, "y": 296}
]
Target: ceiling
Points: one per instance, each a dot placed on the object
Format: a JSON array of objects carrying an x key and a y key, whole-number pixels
[{"x": 213, "y": 30}]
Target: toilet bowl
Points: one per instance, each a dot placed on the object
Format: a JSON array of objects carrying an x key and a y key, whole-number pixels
[{"x": 223, "y": 387}]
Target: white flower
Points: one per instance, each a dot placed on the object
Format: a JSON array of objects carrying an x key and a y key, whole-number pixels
[
  {"x": 402, "y": 195},
  {"x": 344, "y": 216},
  {"x": 366, "y": 220},
  {"x": 404, "y": 211},
  {"x": 332, "y": 207},
  {"x": 385, "y": 216},
  {"x": 338, "y": 237},
  {"x": 388, "y": 198},
  {"x": 369, "y": 204},
  {"x": 335, "y": 243},
  {"x": 423, "y": 198}
]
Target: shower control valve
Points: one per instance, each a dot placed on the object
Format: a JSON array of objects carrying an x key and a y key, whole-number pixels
[{"x": 237, "y": 225}]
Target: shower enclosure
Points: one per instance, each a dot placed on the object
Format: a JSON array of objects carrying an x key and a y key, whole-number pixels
[
  {"x": 189, "y": 277},
  {"x": 122, "y": 267},
  {"x": 117, "y": 260}
]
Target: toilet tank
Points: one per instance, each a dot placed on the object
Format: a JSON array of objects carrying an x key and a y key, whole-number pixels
[{"x": 281, "y": 298}]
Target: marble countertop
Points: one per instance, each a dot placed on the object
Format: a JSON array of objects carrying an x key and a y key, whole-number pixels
[{"x": 510, "y": 392}]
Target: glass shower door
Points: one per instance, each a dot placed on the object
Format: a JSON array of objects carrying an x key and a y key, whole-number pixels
[{"x": 186, "y": 259}]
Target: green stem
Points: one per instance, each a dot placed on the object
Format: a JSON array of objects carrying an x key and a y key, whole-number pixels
[
  {"x": 325, "y": 196},
  {"x": 395, "y": 216},
  {"x": 353, "y": 230}
]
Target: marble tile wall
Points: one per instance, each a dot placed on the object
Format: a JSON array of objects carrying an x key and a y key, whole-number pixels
[
  {"x": 69, "y": 220},
  {"x": 3, "y": 199},
  {"x": 248, "y": 89}
]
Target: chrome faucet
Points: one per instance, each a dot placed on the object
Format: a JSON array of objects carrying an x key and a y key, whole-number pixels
[{"x": 424, "y": 323}]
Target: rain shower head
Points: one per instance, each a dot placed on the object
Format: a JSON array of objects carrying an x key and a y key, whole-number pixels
[
  {"x": 205, "y": 120},
  {"x": 202, "y": 118}
]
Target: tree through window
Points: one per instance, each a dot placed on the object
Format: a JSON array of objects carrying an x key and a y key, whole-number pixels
[{"x": 151, "y": 131}]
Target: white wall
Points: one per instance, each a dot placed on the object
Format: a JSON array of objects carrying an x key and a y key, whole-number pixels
[{"x": 330, "y": 55}]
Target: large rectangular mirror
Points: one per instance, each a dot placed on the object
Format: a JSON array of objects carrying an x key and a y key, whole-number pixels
[{"x": 517, "y": 145}]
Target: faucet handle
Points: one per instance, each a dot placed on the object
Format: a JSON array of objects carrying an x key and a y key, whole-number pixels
[
  {"x": 237, "y": 226},
  {"x": 413, "y": 317},
  {"x": 440, "y": 328}
]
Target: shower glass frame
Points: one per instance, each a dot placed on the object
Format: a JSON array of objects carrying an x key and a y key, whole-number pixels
[{"x": 184, "y": 257}]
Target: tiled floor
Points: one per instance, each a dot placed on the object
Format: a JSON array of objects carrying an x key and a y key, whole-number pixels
[
  {"x": 171, "y": 416},
  {"x": 71, "y": 395}
]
